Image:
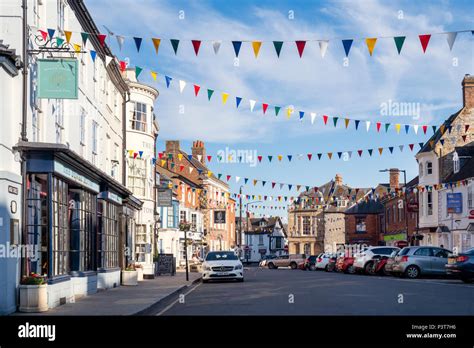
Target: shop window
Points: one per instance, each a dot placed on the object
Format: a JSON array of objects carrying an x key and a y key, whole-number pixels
[
  {"x": 108, "y": 235},
  {"x": 60, "y": 225},
  {"x": 182, "y": 216},
  {"x": 170, "y": 217},
  {"x": 470, "y": 194}
]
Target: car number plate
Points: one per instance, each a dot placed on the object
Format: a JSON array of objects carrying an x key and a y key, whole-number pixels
[
  {"x": 223, "y": 273},
  {"x": 451, "y": 260}
]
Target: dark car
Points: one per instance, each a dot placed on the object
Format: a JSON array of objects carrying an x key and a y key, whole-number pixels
[
  {"x": 462, "y": 265},
  {"x": 310, "y": 263}
]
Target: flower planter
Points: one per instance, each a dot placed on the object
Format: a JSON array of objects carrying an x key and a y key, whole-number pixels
[
  {"x": 140, "y": 274},
  {"x": 33, "y": 298},
  {"x": 130, "y": 278}
]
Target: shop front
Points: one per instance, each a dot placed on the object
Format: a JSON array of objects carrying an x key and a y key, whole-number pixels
[
  {"x": 74, "y": 220},
  {"x": 395, "y": 239}
]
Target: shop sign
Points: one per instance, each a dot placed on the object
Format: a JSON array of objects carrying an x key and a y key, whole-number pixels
[
  {"x": 72, "y": 175},
  {"x": 219, "y": 217},
  {"x": 57, "y": 79},
  {"x": 164, "y": 197},
  {"x": 392, "y": 237},
  {"x": 454, "y": 203},
  {"x": 111, "y": 197}
]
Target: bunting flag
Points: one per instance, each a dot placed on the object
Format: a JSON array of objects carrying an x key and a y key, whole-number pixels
[
  {"x": 138, "y": 71},
  {"x": 120, "y": 41},
  {"x": 451, "y": 37},
  {"x": 237, "y": 101},
  {"x": 264, "y": 107},
  {"x": 182, "y": 85},
  {"x": 93, "y": 55},
  {"x": 51, "y": 33},
  {"x": 138, "y": 43},
  {"x": 347, "y": 46},
  {"x": 77, "y": 48},
  {"x": 371, "y": 44},
  {"x": 224, "y": 97},
  {"x": 196, "y": 90},
  {"x": 278, "y": 45},
  {"x": 84, "y": 36},
  {"x": 168, "y": 81},
  {"x": 256, "y": 47},
  {"x": 399, "y": 40},
  {"x": 68, "y": 35},
  {"x": 196, "y": 46},
  {"x": 209, "y": 94},
  {"x": 237, "y": 45},
  {"x": 216, "y": 45},
  {"x": 252, "y": 104},
  {"x": 156, "y": 44},
  {"x": 300, "y": 45},
  {"x": 153, "y": 75},
  {"x": 424, "y": 40},
  {"x": 101, "y": 38},
  {"x": 175, "y": 44},
  {"x": 323, "y": 47},
  {"x": 60, "y": 41}
]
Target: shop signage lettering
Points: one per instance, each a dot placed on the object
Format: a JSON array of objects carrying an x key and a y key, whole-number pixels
[
  {"x": 111, "y": 197},
  {"x": 57, "y": 79},
  {"x": 72, "y": 175},
  {"x": 454, "y": 203}
]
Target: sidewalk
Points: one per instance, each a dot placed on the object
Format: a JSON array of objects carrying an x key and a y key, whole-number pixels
[{"x": 125, "y": 300}]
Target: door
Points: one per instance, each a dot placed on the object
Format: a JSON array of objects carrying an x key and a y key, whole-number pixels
[
  {"x": 423, "y": 258},
  {"x": 439, "y": 260}
]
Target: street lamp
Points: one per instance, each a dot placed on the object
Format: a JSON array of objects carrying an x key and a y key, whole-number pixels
[{"x": 404, "y": 196}]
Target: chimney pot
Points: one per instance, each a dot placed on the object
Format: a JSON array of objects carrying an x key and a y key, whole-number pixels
[
  {"x": 394, "y": 178},
  {"x": 468, "y": 91}
]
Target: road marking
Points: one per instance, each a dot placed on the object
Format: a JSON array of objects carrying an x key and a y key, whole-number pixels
[{"x": 173, "y": 303}]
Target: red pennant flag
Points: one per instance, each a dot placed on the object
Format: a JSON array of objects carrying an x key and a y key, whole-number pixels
[
  {"x": 228, "y": 177},
  {"x": 464, "y": 137},
  {"x": 310, "y": 156},
  {"x": 209, "y": 158},
  {"x": 264, "y": 107},
  {"x": 123, "y": 66},
  {"x": 259, "y": 158},
  {"x": 325, "y": 118},
  {"x": 359, "y": 152},
  {"x": 411, "y": 146},
  {"x": 43, "y": 34},
  {"x": 424, "y": 129},
  {"x": 378, "y": 126},
  {"x": 424, "y": 39},
  {"x": 196, "y": 89},
  {"x": 135, "y": 154},
  {"x": 196, "y": 45},
  {"x": 181, "y": 167},
  {"x": 160, "y": 155},
  {"x": 466, "y": 128},
  {"x": 300, "y": 45},
  {"x": 101, "y": 38},
  {"x": 273, "y": 184}
]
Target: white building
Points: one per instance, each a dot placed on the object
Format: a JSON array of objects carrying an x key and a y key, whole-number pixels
[
  {"x": 264, "y": 236},
  {"x": 142, "y": 131},
  {"x": 78, "y": 213}
]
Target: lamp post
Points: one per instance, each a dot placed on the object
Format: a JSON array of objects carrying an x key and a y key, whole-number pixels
[
  {"x": 404, "y": 195},
  {"x": 185, "y": 227}
]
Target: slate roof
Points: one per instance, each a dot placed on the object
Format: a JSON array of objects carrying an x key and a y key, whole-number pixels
[
  {"x": 467, "y": 165},
  {"x": 437, "y": 135}
]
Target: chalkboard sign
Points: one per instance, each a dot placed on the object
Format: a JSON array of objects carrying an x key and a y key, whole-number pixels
[{"x": 166, "y": 264}]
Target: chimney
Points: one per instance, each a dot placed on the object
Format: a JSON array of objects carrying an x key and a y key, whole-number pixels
[
  {"x": 394, "y": 178},
  {"x": 172, "y": 146},
  {"x": 468, "y": 91},
  {"x": 338, "y": 179},
  {"x": 198, "y": 149}
]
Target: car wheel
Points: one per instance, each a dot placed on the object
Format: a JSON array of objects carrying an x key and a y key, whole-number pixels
[
  {"x": 412, "y": 272},
  {"x": 467, "y": 280},
  {"x": 312, "y": 268},
  {"x": 293, "y": 265},
  {"x": 368, "y": 267},
  {"x": 351, "y": 269},
  {"x": 326, "y": 268},
  {"x": 271, "y": 265}
]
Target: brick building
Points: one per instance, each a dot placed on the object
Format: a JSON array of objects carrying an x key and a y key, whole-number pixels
[{"x": 364, "y": 223}]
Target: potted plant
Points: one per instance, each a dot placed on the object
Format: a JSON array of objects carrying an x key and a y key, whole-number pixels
[
  {"x": 33, "y": 293},
  {"x": 130, "y": 275},
  {"x": 139, "y": 269}
]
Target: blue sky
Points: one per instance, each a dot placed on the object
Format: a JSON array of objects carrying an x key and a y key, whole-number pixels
[{"x": 312, "y": 83}]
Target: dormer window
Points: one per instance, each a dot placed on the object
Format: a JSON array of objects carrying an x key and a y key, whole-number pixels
[
  {"x": 456, "y": 165},
  {"x": 429, "y": 168}
]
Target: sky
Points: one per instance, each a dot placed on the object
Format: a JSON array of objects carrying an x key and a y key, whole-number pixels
[{"x": 363, "y": 89}]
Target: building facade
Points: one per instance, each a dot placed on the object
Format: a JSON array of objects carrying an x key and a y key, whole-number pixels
[{"x": 264, "y": 236}]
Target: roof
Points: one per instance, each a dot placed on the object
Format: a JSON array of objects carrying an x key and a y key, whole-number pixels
[
  {"x": 366, "y": 207},
  {"x": 438, "y": 134},
  {"x": 467, "y": 165},
  {"x": 9, "y": 56}
]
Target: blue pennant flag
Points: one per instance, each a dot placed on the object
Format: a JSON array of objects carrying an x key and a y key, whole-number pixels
[
  {"x": 93, "y": 55},
  {"x": 140, "y": 153},
  {"x": 237, "y": 45},
  {"x": 347, "y": 46},
  {"x": 200, "y": 171},
  {"x": 237, "y": 101},
  {"x": 301, "y": 115},
  {"x": 357, "y": 124},
  {"x": 168, "y": 81},
  {"x": 138, "y": 42},
  {"x": 51, "y": 33},
  {"x": 190, "y": 157},
  {"x": 245, "y": 180},
  {"x": 407, "y": 128},
  {"x": 290, "y": 157}
]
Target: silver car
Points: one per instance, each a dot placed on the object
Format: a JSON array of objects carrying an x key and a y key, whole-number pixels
[{"x": 415, "y": 261}]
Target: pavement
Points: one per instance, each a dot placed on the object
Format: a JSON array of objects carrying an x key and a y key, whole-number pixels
[
  {"x": 126, "y": 300},
  {"x": 296, "y": 292}
]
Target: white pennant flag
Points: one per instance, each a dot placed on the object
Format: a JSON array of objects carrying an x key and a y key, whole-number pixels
[
  {"x": 108, "y": 59},
  {"x": 216, "y": 45},
  {"x": 350, "y": 154},
  {"x": 281, "y": 186},
  {"x": 401, "y": 148},
  {"x": 300, "y": 156},
  {"x": 451, "y": 38},
  {"x": 252, "y": 104},
  {"x": 182, "y": 84},
  {"x": 367, "y": 123},
  {"x": 323, "y": 46},
  {"x": 199, "y": 157},
  {"x": 415, "y": 128},
  {"x": 190, "y": 170},
  {"x": 313, "y": 116},
  {"x": 120, "y": 40},
  {"x": 237, "y": 178}
]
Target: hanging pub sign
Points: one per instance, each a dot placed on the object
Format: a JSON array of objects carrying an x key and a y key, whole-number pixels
[
  {"x": 454, "y": 203},
  {"x": 57, "y": 78},
  {"x": 219, "y": 217},
  {"x": 164, "y": 197}
]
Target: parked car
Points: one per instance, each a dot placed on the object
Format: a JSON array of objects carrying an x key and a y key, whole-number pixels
[
  {"x": 322, "y": 260},
  {"x": 310, "y": 263},
  {"x": 387, "y": 270},
  {"x": 331, "y": 266},
  {"x": 264, "y": 260},
  {"x": 286, "y": 261},
  {"x": 415, "y": 261},
  {"x": 222, "y": 265},
  {"x": 378, "y": 265},
  {"x": 363, "y": 260},
  {"x": 345, "y": 264},
  {"x": 462, "y": 265}
]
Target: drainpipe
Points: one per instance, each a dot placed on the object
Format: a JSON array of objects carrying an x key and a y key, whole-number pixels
[{"x": 126, "y": 99}]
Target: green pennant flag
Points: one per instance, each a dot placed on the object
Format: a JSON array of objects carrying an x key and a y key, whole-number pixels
[
  {"x": 59, "y": 41},
  {"x": 434, "y": 129},
  {"x": 370, "y": 151},
  {"x": 209, "y": 93},
  {"x": 399, "y": 40},
  {"x": 278, "y": 45},
  {"x": 270, "y": 158},
  {"x": 138, "y": 71},
  {"x": 84, "y": 36},
  {"x": 175, "y": 44},
  {"x": 387, "y": 125},
  {"x": 219, "y": 176},
  {"x": 277, "y": 110},
  {"x": 335, "y": 120}
]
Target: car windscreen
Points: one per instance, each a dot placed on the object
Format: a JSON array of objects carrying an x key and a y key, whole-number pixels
[
  {"x": 221, "y": 256},
  {"x": 394, "y": 253},
  {"x": 469, "y": 251},
  {"x": 404, "y": 251}
]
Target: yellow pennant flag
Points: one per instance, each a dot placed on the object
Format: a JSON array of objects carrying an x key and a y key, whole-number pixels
[
  {"x": 224, "y": 97},
  {"x": 431, "y": 143},
  {"x": 397, "y": 127},
  {"x": 209, "y": 173},
  {"x": 371, "y": 44},
  {"x": 180, "y": 156},
  {"x": 153, "y": 74},
  {"x": 256, "y": 47},
  {"x": 130, "y": 153},
  {"x": 170, "y": 185},
  {"x": 347, "y": 122},
  {"x": 163, "y": 162},
  {"x": 156, "y": 43},
  {"x": 380, "y": 150},
  {"x": 254, "y": 182},
  {"x": 280, "y": 157},
  {"x": 289, "y": 111},
  {"x": 77, "y": 48},
  {"x": 68, "y": 35},
  {"x": 330, "y": 155}
]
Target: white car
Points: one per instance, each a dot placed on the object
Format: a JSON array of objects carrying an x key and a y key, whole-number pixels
[
  {"x": 222, "y": 265},
  {"x": 322, "y": 260},
  {"x": 363, "y": 260}
]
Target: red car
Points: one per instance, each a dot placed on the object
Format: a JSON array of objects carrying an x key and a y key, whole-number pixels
[{"x": 345, "y": 264}]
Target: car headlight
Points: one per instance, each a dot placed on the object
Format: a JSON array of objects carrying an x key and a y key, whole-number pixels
[{"x": 238, "y": 267}]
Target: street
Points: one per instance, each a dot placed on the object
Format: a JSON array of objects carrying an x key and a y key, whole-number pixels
[{"x": 296, "y": 292}]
